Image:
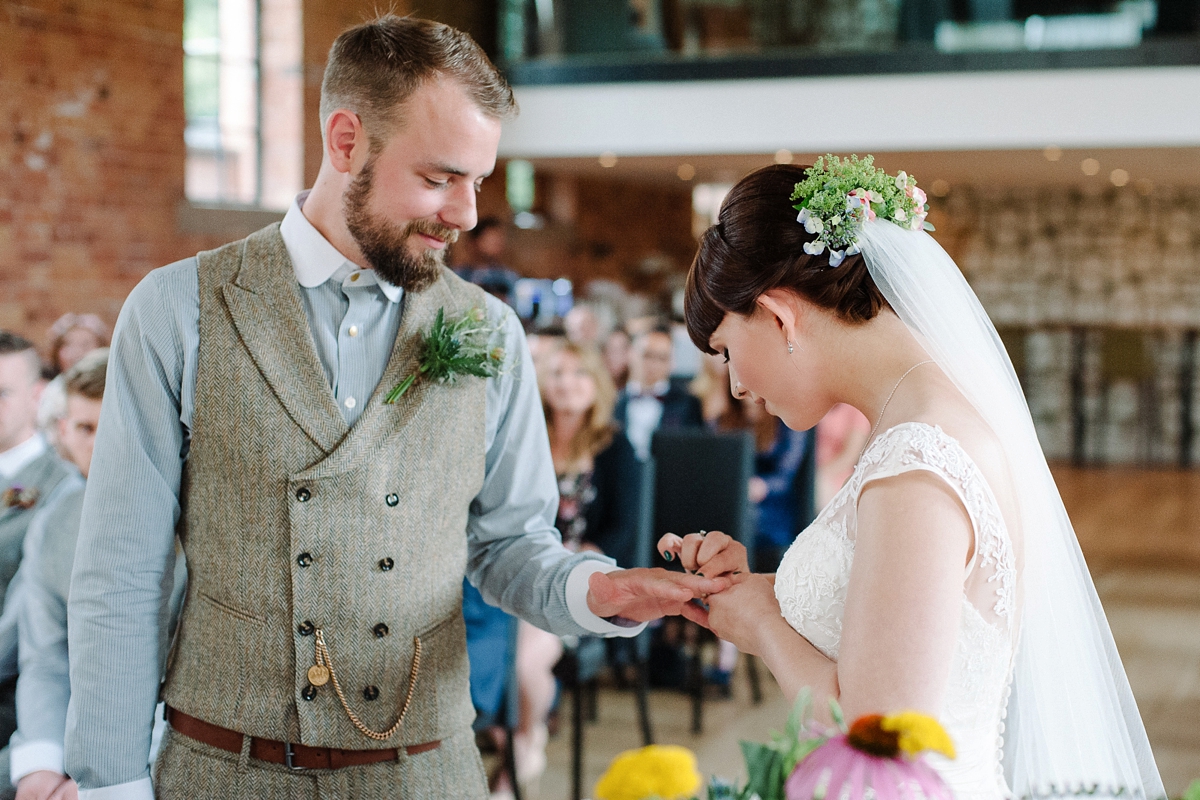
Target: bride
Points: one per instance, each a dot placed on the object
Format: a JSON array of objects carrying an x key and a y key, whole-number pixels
[{"x": 945, "y": 576}]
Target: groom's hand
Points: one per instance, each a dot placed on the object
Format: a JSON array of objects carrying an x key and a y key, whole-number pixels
[{"x": 645, "y": 594}]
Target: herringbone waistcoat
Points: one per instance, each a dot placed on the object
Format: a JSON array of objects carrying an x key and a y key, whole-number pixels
[{"x": 293, "y": 521}]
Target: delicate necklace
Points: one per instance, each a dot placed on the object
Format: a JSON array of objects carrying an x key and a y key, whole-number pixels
[{"x": 871, "y": 436}]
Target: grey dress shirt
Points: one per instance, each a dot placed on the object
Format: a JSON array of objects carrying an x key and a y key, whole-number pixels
[{"x": 125, "y": 555}]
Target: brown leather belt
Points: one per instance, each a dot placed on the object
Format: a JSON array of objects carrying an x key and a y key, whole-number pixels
[{"x": 293, "y": 756}]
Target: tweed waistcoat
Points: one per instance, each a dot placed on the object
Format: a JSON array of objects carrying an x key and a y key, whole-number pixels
[{"x": 291, "y": 520}]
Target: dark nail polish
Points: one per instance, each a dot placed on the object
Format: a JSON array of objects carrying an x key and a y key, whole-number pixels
[
  {"x": 668, "y": 556},
  {"x": 700, "y": 574}
]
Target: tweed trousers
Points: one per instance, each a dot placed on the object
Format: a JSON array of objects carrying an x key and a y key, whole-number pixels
[{"x": 190, "y": 770}]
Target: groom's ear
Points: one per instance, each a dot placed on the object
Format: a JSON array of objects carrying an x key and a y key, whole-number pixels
[
  {"x": 781, "y": 305},
  {"x": 346, "y": 144}
]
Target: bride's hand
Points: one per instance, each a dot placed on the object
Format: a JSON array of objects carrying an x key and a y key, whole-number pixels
[
  {"x": 712, "y": 555},
  {"x": 743, "y": 614}
]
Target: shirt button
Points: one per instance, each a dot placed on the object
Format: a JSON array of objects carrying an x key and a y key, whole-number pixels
[
  {"x": 354, "y": 277},
  {"x": 386, "y": 564},
  {"x": 350, "y": 402},
  {"x": 380, "y": 630},
  {"x": 306, "y": 628},
  {"x": 303, "y": 494},
  {"x": 392, "y": 500},
  {"x": 309, "y": 693},
  {"x": 304, "y": 559},
  {"x": 370, "y": 693},
  {"x": 353, "y": 330}
]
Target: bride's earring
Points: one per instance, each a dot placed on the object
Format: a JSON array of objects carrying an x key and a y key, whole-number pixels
[{"x": 790, "y": 348}]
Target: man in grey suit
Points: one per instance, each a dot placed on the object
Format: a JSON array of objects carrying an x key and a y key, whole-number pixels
[
  {"x": 321, "y": 648},
  {"x": 30, "y": 475}
]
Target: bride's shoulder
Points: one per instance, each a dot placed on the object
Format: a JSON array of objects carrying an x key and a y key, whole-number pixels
[{"x": 954, "y": 434}]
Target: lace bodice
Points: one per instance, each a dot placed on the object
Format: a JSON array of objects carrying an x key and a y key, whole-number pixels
[{"x": 812, "y": 580}]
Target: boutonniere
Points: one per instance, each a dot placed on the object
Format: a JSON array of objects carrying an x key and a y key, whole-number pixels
[
  {"x": 454, "y": 348},
  {"x": 20, "y": 497}
]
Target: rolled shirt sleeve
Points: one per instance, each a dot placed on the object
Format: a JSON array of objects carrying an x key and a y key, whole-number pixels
[
  {"x": 515, "y": 554},
  {"x": 124, "y": 562}
]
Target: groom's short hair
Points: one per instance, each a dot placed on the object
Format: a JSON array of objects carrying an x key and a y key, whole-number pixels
[{"x": 375, "y": 67}]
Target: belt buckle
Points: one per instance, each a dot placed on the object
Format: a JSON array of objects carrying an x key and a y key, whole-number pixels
[{"x": 289, "y": 754}]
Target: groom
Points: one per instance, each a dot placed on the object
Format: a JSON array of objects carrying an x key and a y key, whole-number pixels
[{"x": 321, "y": 649}]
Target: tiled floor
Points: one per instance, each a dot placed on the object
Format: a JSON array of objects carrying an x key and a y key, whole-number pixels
[{"x": 1141, "y": 534}]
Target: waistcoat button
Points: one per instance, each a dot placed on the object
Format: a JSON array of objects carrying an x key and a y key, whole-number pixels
[
  {"x": 306, "y": 628},
  {"x": 386, "y": 564},
  {"x": 370, "y": 693},
  {"x": 304, "y": 559},
  {"x": 303, "y": 494},
  {"x": 381, "y": 630},
  {"x": 392, "y": 500},
  {"x": 309, "y": 693}
]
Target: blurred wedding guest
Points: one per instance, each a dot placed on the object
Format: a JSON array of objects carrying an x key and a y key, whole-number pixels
[
  {"x": 841, "y": 435},
  {"x": 587, "y": 324},
  {"x": 30, "y": 474},
  {"x": 486, "y": 269},
  {"x": 71, "y": 337},
  {"x": 649, "y": 402},
  {"x": 591, "y": 460},
  {"x": 781, "y": 490},
  {"x": 616, "y": 357},
  {"x": 543, "y": 342},
  {"x": 43, "y": 687}
]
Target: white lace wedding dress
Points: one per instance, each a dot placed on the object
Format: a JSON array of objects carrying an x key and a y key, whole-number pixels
[{"x": 811, "y": 588}]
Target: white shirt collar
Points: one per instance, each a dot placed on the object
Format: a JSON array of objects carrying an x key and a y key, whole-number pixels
[
  {"x": 315, "y": 260},
  {"x": 658, "y": 390},
  {"x": 17, "y": 458}
]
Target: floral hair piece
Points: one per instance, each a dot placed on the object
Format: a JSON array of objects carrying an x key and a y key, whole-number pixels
[{"x": 838, "y": 195}]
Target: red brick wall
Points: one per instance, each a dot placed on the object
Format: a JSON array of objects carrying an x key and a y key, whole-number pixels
[
  {"x": 92, "y": 163},
  {"x": 91, "y": 154},
  {"x": 92, "y": 151}
]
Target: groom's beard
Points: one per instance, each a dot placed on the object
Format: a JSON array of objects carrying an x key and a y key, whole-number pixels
[{"x": 386, "y": 246}]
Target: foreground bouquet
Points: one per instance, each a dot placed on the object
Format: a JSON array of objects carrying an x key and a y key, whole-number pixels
[
  {"x": 876, "y": 758},
  {"x": 452, "y": 349}
]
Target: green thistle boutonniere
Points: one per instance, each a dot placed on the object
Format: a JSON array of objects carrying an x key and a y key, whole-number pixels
[{"x": 453, "y": 349}]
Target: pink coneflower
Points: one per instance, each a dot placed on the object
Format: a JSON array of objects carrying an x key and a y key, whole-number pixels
[{"x": 879, "y": 759}]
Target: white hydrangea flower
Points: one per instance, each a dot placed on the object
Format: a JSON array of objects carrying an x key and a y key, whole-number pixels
[
  {"x": 901, "y": 215},
  {"x": 814, "y": 248},
  {"x": 902, "y": 181},
  {"x": 836, "y": 257}
]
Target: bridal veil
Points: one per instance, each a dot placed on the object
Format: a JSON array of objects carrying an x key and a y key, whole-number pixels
[{"x": 1072, "y": 725}]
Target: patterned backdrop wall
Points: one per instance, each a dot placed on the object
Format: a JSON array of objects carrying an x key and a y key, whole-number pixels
[{"x": 1097, "y": 296}]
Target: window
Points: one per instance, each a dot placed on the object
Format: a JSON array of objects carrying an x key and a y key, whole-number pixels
[{"x": 243, "y": 99}]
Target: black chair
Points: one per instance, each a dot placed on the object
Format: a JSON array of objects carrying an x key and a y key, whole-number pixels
[
  {"x": 702, "y": 480},
  {"x": 581, "y": 664}
]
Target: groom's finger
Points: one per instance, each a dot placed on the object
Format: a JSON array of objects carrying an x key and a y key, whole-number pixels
[
  {"x": 695, "y": 613},
  {"x": 699, "y": 586}
]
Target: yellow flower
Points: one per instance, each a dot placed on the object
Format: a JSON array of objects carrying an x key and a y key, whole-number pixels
[
  {"x": 662, "y": 771},
  {"x": 918, "y": 733}
]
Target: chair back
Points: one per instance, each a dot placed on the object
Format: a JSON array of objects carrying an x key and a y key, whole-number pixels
[{"x": 702, "y": 482}]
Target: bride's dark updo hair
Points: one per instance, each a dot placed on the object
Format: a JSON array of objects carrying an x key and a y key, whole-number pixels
[{"x": 758, "y": 245}]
